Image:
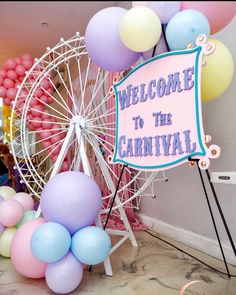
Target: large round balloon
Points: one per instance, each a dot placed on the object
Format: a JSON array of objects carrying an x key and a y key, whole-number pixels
[
  {"x": 164, "y": 9},
  {"x": 218, "y": 13},
  {"x": 6, "y": 240},
  {"x": 184, "y": 27},
  {"x": 7, "y": 192},
  {"x": 103, "y": 41},
  {"x": 22, "y": 257},
  {"x": 218, "y": 73},
  {"x": 50, "y": 242},
  {"x": 65, "y": 275},
  {"x": 140, "y": 29},
  {"x": 91, "y": 245},
  {"x": 72, "y": 199}
]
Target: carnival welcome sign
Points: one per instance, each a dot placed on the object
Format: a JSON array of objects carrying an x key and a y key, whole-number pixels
[{"x": 158, "y": 111}]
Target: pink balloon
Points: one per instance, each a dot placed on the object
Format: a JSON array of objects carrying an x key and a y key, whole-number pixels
[
  {"x": 38, "y": 92},
  {"x": 218, "y": 13},
  {"x": 55, "y": 150},
  {"x": 139, "y": 3},
  {"x": 50, "y": 100},
  {"x": 3, "y": 91},
  {"x": 55, "y": 138},
  {"x": 45, "y": 134},
  {"x": 18, "y": 60},
  {"x": 36, "y": 110},
  {"x": 46, "y": 125},
  {"x": 31, "y": 126},
  {"x": 10, "y": 64},
  {"x": 8, "y": 83},
  {"x": 1, "y": 80},
  {"x": 27, "y": 63},
  {"x": 21, "y": 255},
  {"x": 46, "y": 144},
  {"x": 39, "y": 129},
  {"x": 36, "y": 122},
  {"x": 11, "y": 212},
  {"x": 46, "y": 114},
  {"x": 21, "y": 78},
  {"x": 6, "y": 101},
  {"x": 44, "y": 99},
  {"x": 50, "y": 91},
  {"x": 56, "y": 128},
  {"x": 33, "y": 102},
  {"x": 11, "y": 93},
  {"x": 30, "y": 116},
  {"x": 27, "y": 56},
  {"x": 3, "y": 73},
  {"x": 64, "y": 167},
  {"x": 25, "y": 200},
  {"x": 11, "y": 74},
  {"x": 45, "y": 84},
  {"x": 20, "y": 70}
]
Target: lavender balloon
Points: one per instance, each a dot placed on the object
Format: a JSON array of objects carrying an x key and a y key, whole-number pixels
[
  {"x": 72, "y": 199},
  {"x": 160, "y": 48},
  {"x": 65, "y": 275},
  {"x": 164, "y": 9},
  {"x": 103, "y": 41}
]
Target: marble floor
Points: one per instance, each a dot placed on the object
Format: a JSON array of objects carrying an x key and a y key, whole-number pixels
[{"x": 154, "y": 268}]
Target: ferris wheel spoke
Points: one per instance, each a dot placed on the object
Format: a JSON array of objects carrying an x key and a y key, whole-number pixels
[
  {"x": 82, "y": 107},
  {"x": 46, "y": 130},
  {"x": 45, "y": 139},
  {"x": 104, "y": 115},
  {"x": 102, "y": 141},
  {"x": 68, "y": 92},
  {"x": 98, "y": 154}
]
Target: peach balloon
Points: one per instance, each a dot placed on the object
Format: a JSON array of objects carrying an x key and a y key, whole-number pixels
[
  {"x": 25, "y": 200},
  {"x": 218, "y": 13},
  {"x": 11, "y": 212},
  {"x": 21, "y": 255}
]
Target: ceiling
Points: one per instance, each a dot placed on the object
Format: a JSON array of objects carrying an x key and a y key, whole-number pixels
[{"x": 21, "y": 29}]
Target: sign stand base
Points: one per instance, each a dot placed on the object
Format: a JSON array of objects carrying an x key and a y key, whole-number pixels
[{"x": 212, "y": 215}]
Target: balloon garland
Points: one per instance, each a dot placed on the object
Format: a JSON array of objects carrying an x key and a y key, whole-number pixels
[
  {"x": 115, "y": 42},
  {"x": 39, "y": 120}
]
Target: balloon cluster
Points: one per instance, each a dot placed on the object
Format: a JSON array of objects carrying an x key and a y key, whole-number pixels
[
  {"x": 57, "y": 246},
  {"x": 15, "y": 210},
  {"x": 116, "y": 38}
]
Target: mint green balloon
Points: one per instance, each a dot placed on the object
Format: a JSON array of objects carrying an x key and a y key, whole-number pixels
[{"x": 28, "y": 215}]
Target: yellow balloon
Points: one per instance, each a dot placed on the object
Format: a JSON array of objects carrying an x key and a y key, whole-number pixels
[
  {"x": 5, "y": 241},
  {"x": 7, "y": 192},
  {"x": 140, "y": 29},
  {"x": 218, "y": 73}
]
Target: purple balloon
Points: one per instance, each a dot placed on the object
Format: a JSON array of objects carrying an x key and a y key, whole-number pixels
[
  {"x": 65, "y": 275},
  {"x": 2, "y": 228},
  {"x": 160, "y": 48},
  {"x": 103, "y": 41},
  {"x": 72, "y": 199},
  {"x": 164, "y": 9}
]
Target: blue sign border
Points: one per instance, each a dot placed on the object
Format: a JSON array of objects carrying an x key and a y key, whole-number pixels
[{"x": 196, "y": 69}]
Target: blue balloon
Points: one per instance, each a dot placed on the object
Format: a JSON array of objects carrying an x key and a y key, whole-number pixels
[
  {"x": 91, "y": 245},
  {"x": 50, "y": 242},
  {"x": 184, "y": 27}
]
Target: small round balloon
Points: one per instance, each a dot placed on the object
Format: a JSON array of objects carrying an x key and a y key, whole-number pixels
[
  {"x": 7, "y": 192},
  {"x": 77, "y": 206},
  {"x": 103, "y": 41},
  {"x": 143, "y": 36},
  {"x": 165, "y": 10},
  {"x": 65, "y": 275},
  {"x": 28, "y": 215},
  {"x": 5, "y": 241},
  {"x": 218, "y": 72},
  {"x": 50, "y": 242},
  {"x": 25, "y": 200},
  {"x": 184, "y": 27},
  {"x": 91, "y": 245},
  {"x": 218, "y": 13},
  {"x": 11, "y": 212}
]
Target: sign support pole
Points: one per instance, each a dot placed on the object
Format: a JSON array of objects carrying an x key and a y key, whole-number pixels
[{"x": 212, "y": 215}]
